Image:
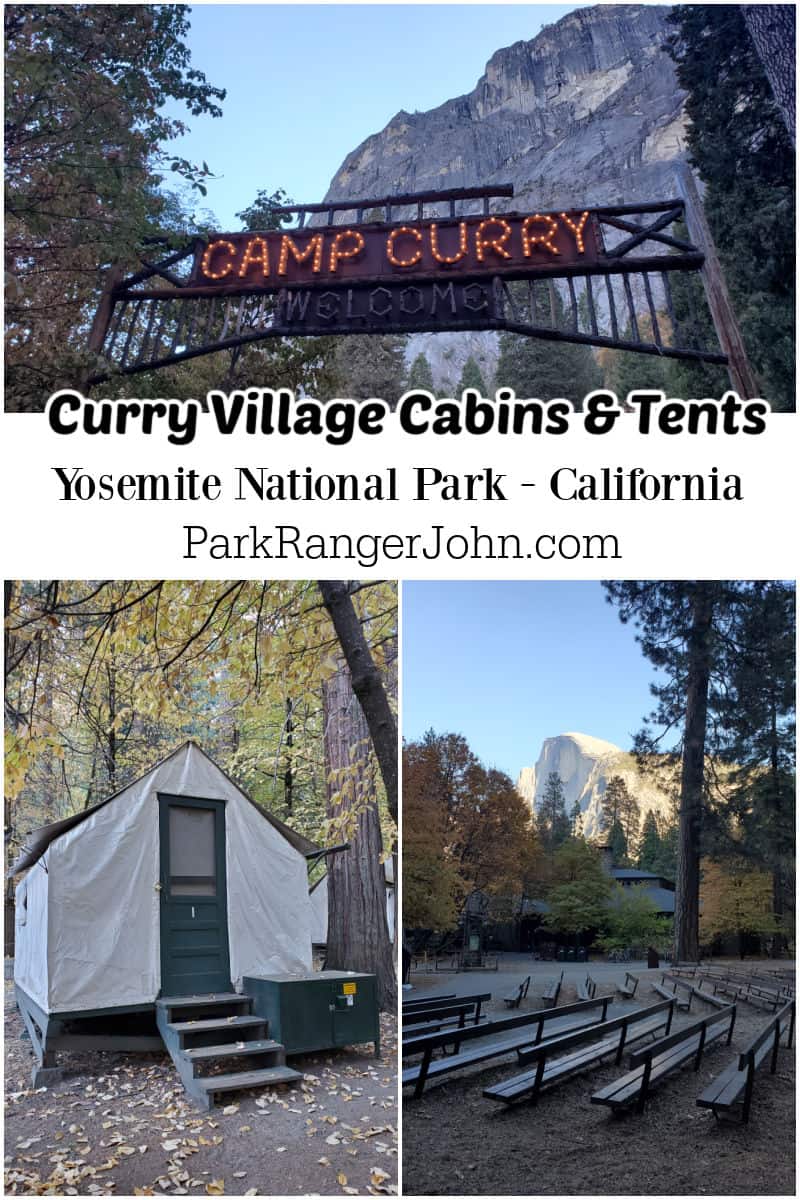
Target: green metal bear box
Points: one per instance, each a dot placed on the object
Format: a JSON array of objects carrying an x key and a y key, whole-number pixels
[{"x": 317, "y": 1010}]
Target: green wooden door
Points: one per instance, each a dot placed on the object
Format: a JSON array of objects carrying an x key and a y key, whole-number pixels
[{"x": 195, "y": 958}]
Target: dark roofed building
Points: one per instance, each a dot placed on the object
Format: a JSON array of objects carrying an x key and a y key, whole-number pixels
[{"x": 658, "y": 888}]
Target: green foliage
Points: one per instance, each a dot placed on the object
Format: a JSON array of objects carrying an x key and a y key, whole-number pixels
[
  {"x": 578, "y": 896},
  {"x": 103, "y": 679},
  {"x": 260, "y": 215},
  {"x": 686, "y": 378},
  {"x": 420, "y": 374},
  {"x": 633, "y": 920},
  {"x": 746, "y": 641},
  {"x": 540, "y": 369},
  {"x": 739, "y": 142},
  {"x": 618, "y": 845},
  {"x": 543, "y": 370},
  {"x": 576, "y": 819},
  {"x": 625, "y": 371},
  {"x": 650, "y": 845},
  {"x": 621, "y": 817},
  {"x": 471, "y": 377},
  {"x": 736, "y": 899},
  {"x": 87, "y": 89},
  {"x": 365, "y": 366}
]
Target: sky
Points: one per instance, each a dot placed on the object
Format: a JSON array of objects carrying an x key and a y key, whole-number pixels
[
  {"x": 508, "y": 664},
  {"x": 308, "y": 83}
]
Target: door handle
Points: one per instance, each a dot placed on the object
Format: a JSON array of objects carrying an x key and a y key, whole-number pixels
[{"x": 192, "y": 912}]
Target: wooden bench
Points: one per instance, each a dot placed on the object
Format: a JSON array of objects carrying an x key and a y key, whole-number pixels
[
  {"x": 631, "y": 984},
  {"x": 729, "y": 1095},
  {"x": 516, "y": 998},
  {"x": 524, "y": 1030},
  {"x": 684, "y": 1002},
  {"x": 550, "y": 994},
  {"x": 448, "y": 1011},
  {"x": 653, "y": 1063},
  {"x": 709, "y": 997},
  {"x": 552, "y": 1065},
  {"x": 742, "y": 989},
  {"x": 426, "y": 1001},
  {"x": 587, "y": 989},
  {"x": 760, "y": 991},
  {"x": 460, "y": 1016}
]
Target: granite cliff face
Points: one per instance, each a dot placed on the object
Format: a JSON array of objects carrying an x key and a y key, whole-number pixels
[
  {"x": 587, "y": 112},
  {"x": 585, "y": 764}
]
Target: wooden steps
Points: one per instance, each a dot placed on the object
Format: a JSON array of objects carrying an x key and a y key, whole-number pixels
[
  {"x": 202, "y": 1001},
  {"x": 232, "y": 1050},
  {"x": 248, "y": 1079},
  {"x": 213, "y": 1024},
  {"x": 219, "y": 1030}
]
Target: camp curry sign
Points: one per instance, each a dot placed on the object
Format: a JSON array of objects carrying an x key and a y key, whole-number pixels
[
  {"x": 579, "y": 274},
  {"x": 418, "y": 251}
]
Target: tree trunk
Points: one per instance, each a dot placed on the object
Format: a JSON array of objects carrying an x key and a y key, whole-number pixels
[
  {"x": 772, "y": 28},
  {"x": 358, "y": 934},
  {"x": 366, "y": 682},
  {"x": 288, "y": 778},
  {"x": 779, "y": 940},
  {"x": 687, "y": 883}
]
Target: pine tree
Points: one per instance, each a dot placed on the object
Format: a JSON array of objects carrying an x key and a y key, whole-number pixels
[
  {"x": 552, "y": 823},
  {"x": 666, "y": 860},
  {"x": 738, "y": 139},
  {"x": 650, "y": 845},
  {"x": 471, "y": 377},
  {"x": 618, "y": 844},
  {"x": 626, "y": 371},
  {"x": 370, "y": 365},
  {"x": 576, "y": 819},
  {"x": 612, "y": 800},
  {"x": 621, "y": 818},
  {"x": 758, "y": 711},
  {"x": 724, "y": 651},
  {"x": 420, "y": 374},
  {"x": 540, "y": 369},
  {"x": 678, "y": 626}
]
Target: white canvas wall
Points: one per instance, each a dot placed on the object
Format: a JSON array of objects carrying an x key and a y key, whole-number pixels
[
  {"x": 269, "y": 915},
  {"x": 102, "y": 948},
  {"x": 319, "y": 912},
  {"x": 30, "y": 934}
]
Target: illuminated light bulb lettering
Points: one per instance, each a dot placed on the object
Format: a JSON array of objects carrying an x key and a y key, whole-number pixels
[
  {"x": 482, "y": 243},
  {"x": 576, "y": 229},
  {"x": 338, "y": 252},
  {"x": 462, "y": 244},
  {"x": 210, "y": 251},
  {"x": 289, "y": 246},
  {"x": 529, "y": 240},
  {"x": 256, "y": 251},
  {"x": 404, "y": 231}
]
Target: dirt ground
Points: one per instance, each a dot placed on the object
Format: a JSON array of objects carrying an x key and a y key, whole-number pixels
[
  {"x": 121, "y": 1124},
  {"x": 457, "y": 1142}
]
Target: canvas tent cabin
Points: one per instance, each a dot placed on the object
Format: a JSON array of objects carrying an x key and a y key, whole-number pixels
[
  {"x": 318, "y": 897},
  {"x": 318, "y": 901},
  {"x": 172, "y": 890}
]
